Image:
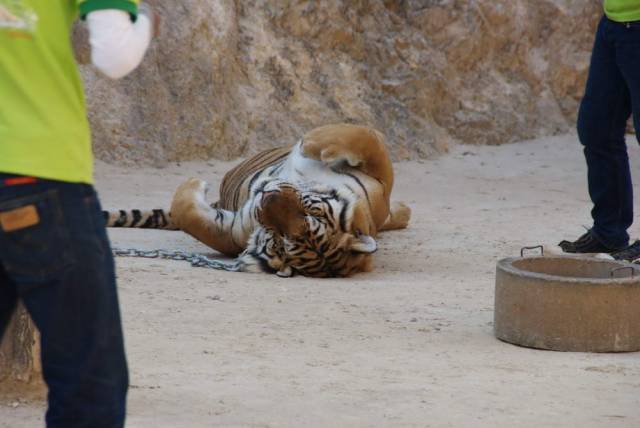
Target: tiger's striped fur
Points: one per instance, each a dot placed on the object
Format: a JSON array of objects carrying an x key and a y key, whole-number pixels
[
  {"x": 143, "y": 219},
  {"x": 312, "y": 209},
  {"x": 237, "y": 182}
]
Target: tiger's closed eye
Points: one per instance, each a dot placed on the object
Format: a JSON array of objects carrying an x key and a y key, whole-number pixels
[{"x": 315, "y": 211}]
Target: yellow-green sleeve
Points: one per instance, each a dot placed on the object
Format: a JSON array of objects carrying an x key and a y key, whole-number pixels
[{"x": 622, "y": 10}]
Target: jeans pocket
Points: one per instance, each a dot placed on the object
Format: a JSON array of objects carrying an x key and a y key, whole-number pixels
[{"x": 34, "y": 239}]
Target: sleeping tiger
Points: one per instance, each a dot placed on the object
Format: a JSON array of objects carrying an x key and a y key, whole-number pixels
[{"x": 312, "y": 209}]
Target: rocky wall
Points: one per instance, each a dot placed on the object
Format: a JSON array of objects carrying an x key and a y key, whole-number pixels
[{"x": 228, "y": 78}]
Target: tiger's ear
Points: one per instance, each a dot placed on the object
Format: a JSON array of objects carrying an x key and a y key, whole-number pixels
[
  {"x": 364, "y": 244},
  {"x": 283, "y": 212}
]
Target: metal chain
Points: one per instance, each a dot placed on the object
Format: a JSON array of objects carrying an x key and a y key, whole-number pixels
[{"x": 196, "y": 260}]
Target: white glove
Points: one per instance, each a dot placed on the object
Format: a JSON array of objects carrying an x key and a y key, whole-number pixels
[{"x": 117, "y": 44}]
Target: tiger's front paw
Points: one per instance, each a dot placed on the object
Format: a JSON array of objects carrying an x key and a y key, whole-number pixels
[
  {"x": 331, "y": 154},
  {"x": 336, "y": 155},
  {"x": 401, "y": 214}
]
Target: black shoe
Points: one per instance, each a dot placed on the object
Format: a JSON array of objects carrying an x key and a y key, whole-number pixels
[
  {"x": 587, "y": 243},
  {"x": 630, "y": 254}
]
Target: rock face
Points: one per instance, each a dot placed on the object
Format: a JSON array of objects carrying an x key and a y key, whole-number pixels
[{"x": 228, "y": 78}]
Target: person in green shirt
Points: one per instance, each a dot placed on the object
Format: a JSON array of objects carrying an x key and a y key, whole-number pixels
[
  {"x": 612, "y": 95},
  {"x": 54, "y": 251}
]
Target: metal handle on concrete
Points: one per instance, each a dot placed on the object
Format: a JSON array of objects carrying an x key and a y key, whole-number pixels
[
  {"x": 532, "y": 248},
  {"x": 614, "y": 270}
]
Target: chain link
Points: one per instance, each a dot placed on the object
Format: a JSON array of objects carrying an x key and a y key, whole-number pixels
[{"x": 196, "y": 260}]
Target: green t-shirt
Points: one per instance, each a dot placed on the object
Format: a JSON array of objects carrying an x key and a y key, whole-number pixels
[
  {"x": 44, "y": 130},
  {"x": 622, "y": 10}
]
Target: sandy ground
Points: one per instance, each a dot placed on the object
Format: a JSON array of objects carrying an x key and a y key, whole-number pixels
[{"x": 408, "y": 345}]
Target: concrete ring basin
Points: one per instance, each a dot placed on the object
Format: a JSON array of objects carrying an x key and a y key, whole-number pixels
[{"x": 567, "y": 303}]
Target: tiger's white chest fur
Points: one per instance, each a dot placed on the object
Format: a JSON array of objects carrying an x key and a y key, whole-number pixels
[{"x": 311, "y": 173}]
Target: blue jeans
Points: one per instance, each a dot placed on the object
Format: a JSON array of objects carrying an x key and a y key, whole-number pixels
[
  {"x": 611, "y": 95},
  {"x": 56, "y": 258}
]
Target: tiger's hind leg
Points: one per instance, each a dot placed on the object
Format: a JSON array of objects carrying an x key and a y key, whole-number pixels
[
  {"x": 214, "y": 227},
  {"x": 358, "y": 146},
  {"x": 399, "y": 217}
]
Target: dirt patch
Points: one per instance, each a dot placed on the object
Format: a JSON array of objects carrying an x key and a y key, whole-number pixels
[{"x": 408, "y": 345}]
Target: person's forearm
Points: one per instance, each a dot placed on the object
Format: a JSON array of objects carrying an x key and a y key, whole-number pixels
[{"x": 117, "y": 44}]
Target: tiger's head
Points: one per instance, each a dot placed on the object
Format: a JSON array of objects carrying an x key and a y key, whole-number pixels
[{"x": 312, "y": 234}]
